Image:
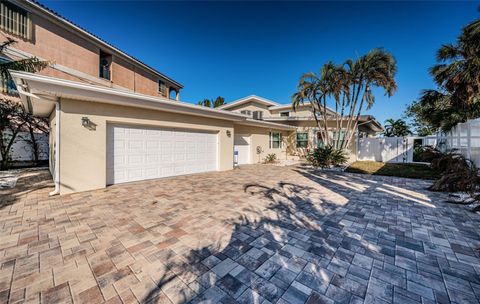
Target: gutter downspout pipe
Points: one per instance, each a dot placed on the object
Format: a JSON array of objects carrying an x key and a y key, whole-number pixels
[{"x": 56, "y": 164}]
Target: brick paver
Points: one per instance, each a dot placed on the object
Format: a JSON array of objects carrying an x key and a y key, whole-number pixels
[{"x": 259, "y": 234}]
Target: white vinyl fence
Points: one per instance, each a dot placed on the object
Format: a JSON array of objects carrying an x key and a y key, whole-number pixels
[
  {"x": 386, "y": 149},
  {"x": 465, "y": 138},
  {"x": 22, "y": 149}
]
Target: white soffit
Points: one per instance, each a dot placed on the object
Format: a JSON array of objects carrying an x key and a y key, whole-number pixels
[{"x": 38, "y": 93}]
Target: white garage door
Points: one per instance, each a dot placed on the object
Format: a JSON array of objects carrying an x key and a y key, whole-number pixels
[{"x": 138, "y": 153}]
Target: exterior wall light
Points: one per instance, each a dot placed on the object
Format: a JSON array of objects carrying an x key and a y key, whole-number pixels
[
  {"x": 229, "y": 133},
  {"x": 85, "y": 121},
  {"x": 88, "y": 124}
]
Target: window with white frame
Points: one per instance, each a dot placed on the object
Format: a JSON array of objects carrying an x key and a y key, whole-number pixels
[
  {"x": 275, "y": 140},
  {"x": 15, "y": 20},
  {"x": 246, "y": 112},
  {"x": 302, "y": 140},
  {"x": 258, "y": 115},
  {"x": 285, "y": 114}
]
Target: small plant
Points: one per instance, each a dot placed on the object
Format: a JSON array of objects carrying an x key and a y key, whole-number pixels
[
  {"x": 327, "y": 157},
  {"x": 270, "y": 158},
  {"x": 457, "y": 173}
]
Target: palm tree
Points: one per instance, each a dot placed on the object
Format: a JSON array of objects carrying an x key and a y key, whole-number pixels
[
  {"x": 219, "y": 101},
  {"x": 206, "y": 103},
  {"x": 32, "y": 64},
  {"x": 457, "y": 76},
  {"x": 459, "y": 69},
  {"x": 350, "y": 85},
  {"x": 312, "y": 89},
  {"x": 396, "y": 128}
]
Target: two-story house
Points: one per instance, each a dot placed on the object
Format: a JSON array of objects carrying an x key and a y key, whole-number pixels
[
  {"x": 287, "y": 144},
  {"x": 76, "y": 54},
  {"x": 113, "y": 118}
]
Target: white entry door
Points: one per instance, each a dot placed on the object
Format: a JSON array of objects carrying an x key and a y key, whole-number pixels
[
  {"x": 242, "y": 148},
  {"x": 137, "y": 153}
]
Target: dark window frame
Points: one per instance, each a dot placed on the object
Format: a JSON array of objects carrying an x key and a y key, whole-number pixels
[
  {"x": 301, "y": 142},
  {"x": 275, "y": 141}
]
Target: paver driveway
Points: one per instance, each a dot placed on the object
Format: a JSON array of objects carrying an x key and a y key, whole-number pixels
[{"x": 259, "y": 234}]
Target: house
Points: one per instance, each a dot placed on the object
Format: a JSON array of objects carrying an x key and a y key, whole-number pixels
[
  {"x": 113, "y": 119},
  {"x": 74, "y": 53},
  {"x": 295, "y": 143}
]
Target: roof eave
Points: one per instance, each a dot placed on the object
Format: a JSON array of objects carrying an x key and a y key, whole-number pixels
[
  {"x": 35, "y": 87},
  {"x": 247, "y": 99},
  {"x": 265, "y": 124}
]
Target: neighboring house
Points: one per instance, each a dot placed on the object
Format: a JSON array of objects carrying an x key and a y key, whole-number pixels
[
  {"x": 76, "y": 54},
  {"x": 124, "y": 129},
  {"x": 305, "y": 135}
]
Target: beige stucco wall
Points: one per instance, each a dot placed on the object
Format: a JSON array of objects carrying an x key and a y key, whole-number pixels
[
  {"x": 83, "y": 151},
  {"x": 301, "y": 111},
  {"x": 260, "y": 137},
  {"x": 311, "y": 128},
  {"x": 251, "y": 106}
]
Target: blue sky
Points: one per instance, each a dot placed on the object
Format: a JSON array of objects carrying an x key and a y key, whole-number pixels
[{"x": 234, "y": 49}]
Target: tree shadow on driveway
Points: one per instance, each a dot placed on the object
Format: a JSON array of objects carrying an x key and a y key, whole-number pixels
[{"x": 344, "y": 240}]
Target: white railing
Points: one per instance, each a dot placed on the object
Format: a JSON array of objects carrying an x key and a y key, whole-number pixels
[{"x": 465, "y": 138}]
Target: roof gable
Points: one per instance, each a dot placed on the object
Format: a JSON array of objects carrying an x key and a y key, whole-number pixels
[{"x": 250, "y": 98}]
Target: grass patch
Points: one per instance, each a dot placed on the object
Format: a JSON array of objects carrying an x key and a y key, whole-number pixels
[{"x": 393, "y": 169}]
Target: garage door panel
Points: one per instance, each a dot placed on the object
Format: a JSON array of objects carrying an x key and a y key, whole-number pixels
[{"x": 136, "y": 153}]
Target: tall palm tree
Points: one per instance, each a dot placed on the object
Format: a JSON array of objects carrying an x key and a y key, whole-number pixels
[
  {"x": 459, "y": 69},
  {"x": 375, "y": 69},
  {"x": 312, "y": 89},
  {"x": 457, "y": 76},
  {"x": 350, "y": 85}
]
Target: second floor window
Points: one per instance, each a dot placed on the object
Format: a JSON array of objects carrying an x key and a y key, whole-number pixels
[
  {"x": 105, "y": 63},
  {"x": 258, "y": 115},
  {"x": 15, "y": 20},
  {"x": 162, "y": 87},
  {"x": 246, "y": 112},
  {"x": 284, "y": 114}
]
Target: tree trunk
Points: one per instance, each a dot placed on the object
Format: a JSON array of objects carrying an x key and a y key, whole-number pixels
[
  {"x": 325, "y": 118},
  {"x": 358, "y": 116},
  {"x": 353, "y": 106},
  {"x": 33, "y": 142}
]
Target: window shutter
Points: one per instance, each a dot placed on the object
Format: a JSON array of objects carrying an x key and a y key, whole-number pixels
[
  {"x": 15, "y": 20},
  {"x": 270, "y": 140},
  {"x": 281, "y": 141}
]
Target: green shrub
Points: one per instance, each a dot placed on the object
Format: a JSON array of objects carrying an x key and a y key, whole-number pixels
[
  {"x": 270, "y": 158},
  {"x": 327, "y": 157}
]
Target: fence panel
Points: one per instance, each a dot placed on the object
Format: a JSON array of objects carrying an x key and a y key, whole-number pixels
[
  {"x": 22, "y": 150},
  {"x": 465, "y": 138},
  {"x": 386, "y": 149}
]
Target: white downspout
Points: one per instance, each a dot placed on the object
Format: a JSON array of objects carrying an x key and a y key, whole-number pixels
[{"x": 56, "y": 165}]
